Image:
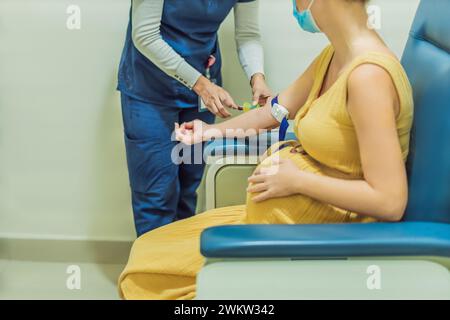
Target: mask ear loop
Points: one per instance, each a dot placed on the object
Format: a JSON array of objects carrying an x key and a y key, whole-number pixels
[
  {"x": 295, "y": 5},
  {"x": 309, "y": 8}
]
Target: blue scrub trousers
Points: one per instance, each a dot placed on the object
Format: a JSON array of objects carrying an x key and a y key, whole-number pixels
[{"x": 162, "y": 191}]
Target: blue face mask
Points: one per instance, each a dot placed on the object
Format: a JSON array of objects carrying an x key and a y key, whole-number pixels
[{"x": 305, "y": 18}]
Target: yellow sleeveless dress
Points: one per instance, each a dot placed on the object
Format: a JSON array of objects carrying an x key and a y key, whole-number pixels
[{"x": 163, "y": 263}]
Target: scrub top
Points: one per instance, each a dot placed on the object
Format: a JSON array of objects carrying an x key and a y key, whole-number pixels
[{"x": 191, "y": 30}]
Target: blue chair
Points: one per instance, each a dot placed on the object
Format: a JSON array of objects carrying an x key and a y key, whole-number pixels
[{"x": 409, "y": 259}]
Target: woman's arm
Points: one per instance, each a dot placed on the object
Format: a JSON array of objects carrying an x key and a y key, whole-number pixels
[
  {"x": 250, "y": 50},
  {"x": 293, "y": 98},
  {"x": 250, "y": 123},
  {"x": 146, "y": 22},
  {"x": 244, "y": 125},
  {"x": 372, "y": 104},
  {"x": 248, "y": 37}
]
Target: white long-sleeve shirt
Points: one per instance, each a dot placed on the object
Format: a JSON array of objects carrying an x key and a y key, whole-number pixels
[{"x": 146, "y": 17}]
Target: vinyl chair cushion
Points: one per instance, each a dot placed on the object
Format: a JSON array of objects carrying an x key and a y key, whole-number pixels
[
  {"x": 327, "y": 241},
  {"x": 252, "y": 146},
  {"x": 427, "y": 62}
]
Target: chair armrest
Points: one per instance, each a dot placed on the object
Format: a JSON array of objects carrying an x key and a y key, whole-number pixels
[
  {"x": 245, "y": 146},
  {"x": 327, "y": 241}
]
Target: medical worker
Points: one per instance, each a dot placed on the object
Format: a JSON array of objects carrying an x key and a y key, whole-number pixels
[{"x": 170, "y": 72}]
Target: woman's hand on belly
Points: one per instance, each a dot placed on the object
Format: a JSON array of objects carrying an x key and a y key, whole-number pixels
[{"x": 280, "y": 179}]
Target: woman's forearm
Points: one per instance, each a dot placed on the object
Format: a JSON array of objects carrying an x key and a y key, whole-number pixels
[
  {"x": 244, "y": 125},
  {"x": 248, "y": 38},
  {"x": 146, "y": 21},
  {"x": 353, "y": 195}
]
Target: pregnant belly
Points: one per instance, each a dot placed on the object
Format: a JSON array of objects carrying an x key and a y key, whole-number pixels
[{"x": 296, "y": 209}]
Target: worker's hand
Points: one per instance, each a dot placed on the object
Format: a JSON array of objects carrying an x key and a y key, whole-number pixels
[
  {"x": 215, "y": 98},
  {"x": 261, "y": 92},
  {"x": 278, "y": 180},
  {"x": 194, "y": 132}
]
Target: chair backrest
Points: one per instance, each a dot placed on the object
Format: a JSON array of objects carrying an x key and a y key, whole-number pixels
[{"x": 427, "y": 63}]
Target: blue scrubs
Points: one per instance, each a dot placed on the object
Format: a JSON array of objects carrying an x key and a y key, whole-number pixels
[{"x": 152, "y": 102}]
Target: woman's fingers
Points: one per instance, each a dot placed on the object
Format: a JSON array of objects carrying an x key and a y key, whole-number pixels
[
  {"x": 217, "y": 99},
  {"x": 256, "y": 97},
  {"x": 178, "y": 135},
  {"x": 263, "y": 100},
  {"x": 182, "y": 134},
  {"x": 277, "y": 161},
  {"x": 212, "y": 107},
  {"x": 222, "y": 111},
  {"x": 262, "y": 197},
  {"x": 187, "y": 139},
  {"x": 188, "y": 125},
  {"x": 257, "y": 178},
  {"x": 257, "y": 171},
  {"x": 229, "y": 102},
  {"x": 260, "y": 97},
  {"x": 256, "y": 188},
  {"x": 191, "y": 132},
  {"x": 272, "y": 169}
]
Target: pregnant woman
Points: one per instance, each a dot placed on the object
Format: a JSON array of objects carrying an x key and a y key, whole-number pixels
[{"x": 353, "y": 112}]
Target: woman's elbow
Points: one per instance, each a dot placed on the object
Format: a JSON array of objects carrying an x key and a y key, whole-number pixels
[
  {"x": 137, "y": 38},
  {"x": 142, "y": 39},
  {"x": 249, "y": 37},
  {"x": 393, "y": 208}
]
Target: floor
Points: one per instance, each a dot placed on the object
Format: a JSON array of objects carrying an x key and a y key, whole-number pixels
[{"x": 56, "y": 280}]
